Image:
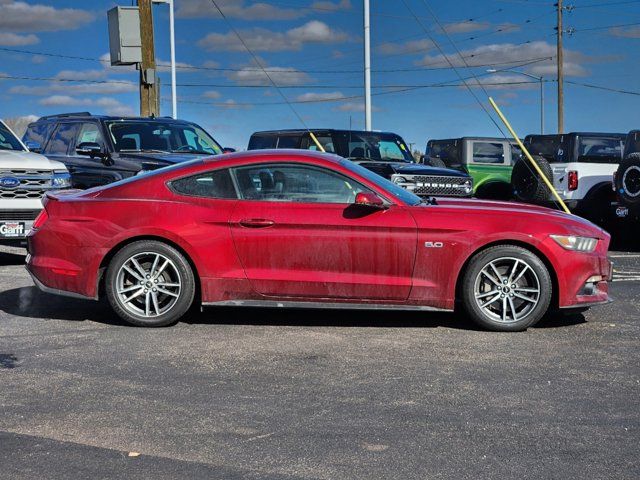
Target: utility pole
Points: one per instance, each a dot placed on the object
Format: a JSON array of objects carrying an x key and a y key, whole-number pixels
[
  {"x": 367, "y": 68},
  {"x": 148, "y": 81},
  {"x": 560, "y": 60}
]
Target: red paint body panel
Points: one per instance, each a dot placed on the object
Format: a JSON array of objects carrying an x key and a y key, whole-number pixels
[{"x": 247, "y": 249}]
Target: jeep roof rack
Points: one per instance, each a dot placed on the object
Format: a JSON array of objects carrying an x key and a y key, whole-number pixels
[{"x": 71, "y": 114}]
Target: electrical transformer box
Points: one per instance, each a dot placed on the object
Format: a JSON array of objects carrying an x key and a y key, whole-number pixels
[{"x": 124, "y": 35}]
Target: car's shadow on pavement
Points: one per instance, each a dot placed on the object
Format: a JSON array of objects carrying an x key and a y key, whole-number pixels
[
  {"x": 11, "y": 258},
  {"x": 31, "y": 303}
]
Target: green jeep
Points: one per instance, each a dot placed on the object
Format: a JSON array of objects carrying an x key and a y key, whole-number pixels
[{"x": 488, "y": 160}]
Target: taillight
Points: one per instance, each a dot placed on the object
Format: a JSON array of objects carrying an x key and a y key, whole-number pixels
[
  {"x": 573, "y": 180},
  {"x": 40, "y": 219}
]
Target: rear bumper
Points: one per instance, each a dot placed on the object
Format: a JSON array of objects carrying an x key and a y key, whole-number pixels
[{"x": 54, "y": 291}]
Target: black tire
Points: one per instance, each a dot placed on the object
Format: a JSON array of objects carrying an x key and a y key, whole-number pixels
[
  {"x": 177, "y": 300},
  {"x": 527, "y": 185},
  {"x": 490, "y": 314},
  {"x": 494, "y": 191},
  {"x": 628, "y": 180}
]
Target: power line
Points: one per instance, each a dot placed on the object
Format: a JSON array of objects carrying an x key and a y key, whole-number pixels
[
  {"x": 601, "y": 87},
  {"x": 606, "y": 4},
  {"x": 605, "y": 27}
]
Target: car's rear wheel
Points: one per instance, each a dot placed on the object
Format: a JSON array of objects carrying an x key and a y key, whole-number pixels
[
  {"x": 506, "y": 288},
  {"x": 150, "y": 283}
]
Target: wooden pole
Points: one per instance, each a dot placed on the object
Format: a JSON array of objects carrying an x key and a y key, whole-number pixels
[{"x": 148, "y": 80}]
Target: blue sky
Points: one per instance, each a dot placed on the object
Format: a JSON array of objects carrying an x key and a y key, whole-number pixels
[{"x": 316, "y": 47}]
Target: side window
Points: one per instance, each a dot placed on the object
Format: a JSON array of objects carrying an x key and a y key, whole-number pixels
[
  {"x": 90, "y": 132},
  {"x": 289, "y": 141},
  {"x": 259, "y": 142},
  {"x": 325, "y": 141},
  {"x": 38, "y": 133},
  {"x": 485, "y": 152},
  {"x": 62, "y": 139},
  {"x": 295, "y": 183},
  {"x": 214, "y": 184}
]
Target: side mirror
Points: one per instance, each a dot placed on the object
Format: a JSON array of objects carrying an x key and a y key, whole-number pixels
[
  {"x": 90, "y": 149},
  {"x": 34, "y": 147},
  {"x": 228, "y": 150},
  {"x": 370, "y": 200}
]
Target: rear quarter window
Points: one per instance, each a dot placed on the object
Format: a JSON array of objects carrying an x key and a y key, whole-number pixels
[
  {"x": 214, "y": 184},
  {"x": 37, "y": 133},
  {"x": 260, "y": 142}
]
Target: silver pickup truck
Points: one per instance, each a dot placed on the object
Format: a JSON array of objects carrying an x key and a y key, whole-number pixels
[{"x": 24, "y": 179}]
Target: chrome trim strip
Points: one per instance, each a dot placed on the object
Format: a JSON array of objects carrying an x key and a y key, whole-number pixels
[{"x": 321, "y": 305}]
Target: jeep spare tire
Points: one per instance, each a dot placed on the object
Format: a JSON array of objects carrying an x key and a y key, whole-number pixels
[
  {"x": 527, "y": 184},
  {"x": 628, "y": 179}
]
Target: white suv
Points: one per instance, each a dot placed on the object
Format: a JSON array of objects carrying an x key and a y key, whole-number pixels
[
  {"x": 24, "y": 179},
  {"x": 580, "y": 166}
]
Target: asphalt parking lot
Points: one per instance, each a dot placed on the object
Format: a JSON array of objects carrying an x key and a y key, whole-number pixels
[{"x": 265, "y": 394}]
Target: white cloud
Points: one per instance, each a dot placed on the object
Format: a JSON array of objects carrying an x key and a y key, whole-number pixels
[
  {"x": 633, "y": 32},
  {"x": 210, "y": 64},
  {"x": 81, "y": 74},
  {"x": 13, "y": 39},
  {"x": 413, "y": 46},
  {"x": 254, "y": 75},
  {"x": 354, "y": 107},
  {"x": 212, "y": 94},
  {"x": 236, "y": 9},
  {"x": 109, "y": 105},
  {"x": 332, "y": 6},
  {"x": 319, "y": 97},
  {"x": 510, "y": 81},
  {"x": 465, "y": 27},
  {"x": 264, "y": 40},
  {"x": 231, "y": 104},
  {"x": 75, "y": 89},
  {"x": 503, "y": 53},
  {"x": 24, "y": 17}
]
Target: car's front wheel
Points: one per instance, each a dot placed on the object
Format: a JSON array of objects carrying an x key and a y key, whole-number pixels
[
  {"x": 150, "y": 283},
  {"x": 506, "y": 288}
]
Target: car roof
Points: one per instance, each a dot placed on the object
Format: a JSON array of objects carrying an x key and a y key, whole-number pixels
[
  {"x": 291, "y": 154},
  {"x": 580, "y": 134},
  {"x": 88, "y": 115},
  {"x": 304, "y": 130},
  {"x": 481, "y": 139}
]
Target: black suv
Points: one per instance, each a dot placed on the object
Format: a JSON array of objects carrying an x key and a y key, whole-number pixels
[
  {"x": 101, "y": 149},
  {"x": 626, "y": 180},
  {"x": 383, "y": 153}
]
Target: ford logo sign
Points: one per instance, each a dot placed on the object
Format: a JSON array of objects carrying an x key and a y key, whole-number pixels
[{"x": 9, "y": 182}]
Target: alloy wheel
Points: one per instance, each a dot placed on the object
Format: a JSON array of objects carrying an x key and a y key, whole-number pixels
[
  {"x": 148, "y": 284},
  {"x": 507, "y": 289}
]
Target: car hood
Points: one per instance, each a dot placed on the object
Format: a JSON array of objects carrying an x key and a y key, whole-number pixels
[
  {"x": 12, "y": 159},
  {"x": 160, "y": 158},
  {"x": 390, "y": 168},
  {"x": 515, "y": 209}
]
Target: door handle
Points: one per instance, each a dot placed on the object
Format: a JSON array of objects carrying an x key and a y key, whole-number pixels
[{"x": 256, "y": 223}]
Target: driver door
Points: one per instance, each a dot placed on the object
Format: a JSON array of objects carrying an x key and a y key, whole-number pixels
[{"x": 298, "y": 234}]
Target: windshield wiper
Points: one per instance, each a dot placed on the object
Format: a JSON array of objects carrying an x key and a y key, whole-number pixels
[{"x": 197, "y": 152}]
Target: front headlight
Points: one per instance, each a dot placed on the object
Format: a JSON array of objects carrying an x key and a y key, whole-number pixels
[
  {"x": 468, "y": 186},
  {"x": 399, "y": 180},
  {"x": 577, "y": 244},
  {"x": 61, "y": 180}
]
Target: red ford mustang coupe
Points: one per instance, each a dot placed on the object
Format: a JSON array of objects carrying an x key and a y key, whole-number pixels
[{"x": 301, "y": 229}]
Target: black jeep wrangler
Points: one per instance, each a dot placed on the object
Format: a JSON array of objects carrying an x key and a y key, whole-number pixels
[
  {"x": 383, "y": 153},
  {"x": 99, "y": 149}
]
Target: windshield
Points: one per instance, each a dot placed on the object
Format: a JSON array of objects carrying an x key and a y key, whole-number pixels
[
  {"x": 404, "y": 195},
  {"x": 163, "y": 137},
  {"x": 386, "y": 147},
  {"x": 8, "y": 140},
  {"x": 599, "y": 149}
]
